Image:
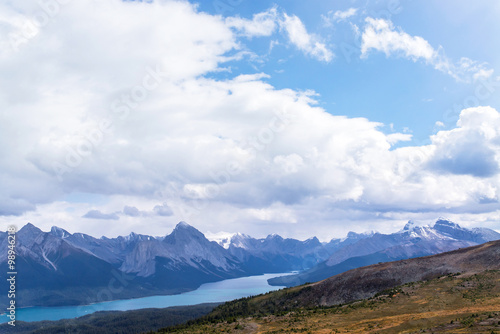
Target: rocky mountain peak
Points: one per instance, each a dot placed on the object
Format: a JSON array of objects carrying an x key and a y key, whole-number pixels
[
  {"x": 29, "y": 230},
  {"x": 441, "y": 222},
  {"x": 59, "y": 232},
  {"x": 313, "y": 240},
  {"x": 449, "y": 228},
  {"x": 183, "y": 232}
]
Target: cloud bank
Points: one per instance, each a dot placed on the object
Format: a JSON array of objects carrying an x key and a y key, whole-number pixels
[{"x": 118, "y": 100}]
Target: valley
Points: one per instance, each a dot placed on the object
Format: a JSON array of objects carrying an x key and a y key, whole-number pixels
[{"x": 63, "y": 269}]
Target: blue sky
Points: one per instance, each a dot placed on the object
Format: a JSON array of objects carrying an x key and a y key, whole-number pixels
[
  {"x": 394, "y": 90},
  {"x": 291, "y": 117}
]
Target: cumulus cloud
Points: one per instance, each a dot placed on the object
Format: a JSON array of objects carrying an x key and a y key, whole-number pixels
[
  {"x": 163, "y": 210},
  {"x": 74, "y": 106},
  {"x": 310, "y": 44},
  {"x": 381, "y": 35},
  {"x": 142, "y": 122},
  {"x": 96, "y": 214},
  {"x": 472, "y": 148},
  {"x": 131, "y": 211}
]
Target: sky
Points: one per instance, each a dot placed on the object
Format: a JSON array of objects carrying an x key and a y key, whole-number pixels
[{"x": 299, "y": 118}]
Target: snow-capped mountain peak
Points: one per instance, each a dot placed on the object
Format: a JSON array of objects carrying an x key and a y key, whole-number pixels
[
  {"x": 274, "y": 236},
  {"x": 410, "y": 225},
  {"x": 225, "y": 239},
  {"x": 414, "y": 230},
  {"x": 240, "y": 240}
]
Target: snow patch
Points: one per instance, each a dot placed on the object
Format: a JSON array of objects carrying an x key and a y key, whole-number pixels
[{"x": 50, "y": 262}]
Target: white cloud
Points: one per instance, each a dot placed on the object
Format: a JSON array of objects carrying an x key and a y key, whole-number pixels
[
  {"x": 397, "y": 137},
  {"x": 232, "y": 154},
  {"x": 472, "y": 148},
  {"x": 381, "y": 35},
  {"x": 262, "y": 24},
  {"x": 482, "y": 74},
  {"x": 96, "y": 214},
  {"x": 276, "y": 212},
  {"x": 304, "y": 41},
  {"x": 338, "y": 16},
  {"x": 342, "y": 15},
  {"x": 265, "y": 24}
]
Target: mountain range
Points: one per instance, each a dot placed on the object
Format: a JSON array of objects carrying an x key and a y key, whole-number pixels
[
  {"x": 410, "y": 242},
  {"x": 60, "y": 268}
]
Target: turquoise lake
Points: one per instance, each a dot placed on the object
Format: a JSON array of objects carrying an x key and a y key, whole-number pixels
[{"x": 207, "y": 293}]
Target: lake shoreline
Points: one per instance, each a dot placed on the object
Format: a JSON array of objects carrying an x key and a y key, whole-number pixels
[{"x": 213, "y": 292}]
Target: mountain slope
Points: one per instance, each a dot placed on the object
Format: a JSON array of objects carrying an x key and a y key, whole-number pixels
[
  {"x": 184, "y": 247},
  {"x": 449, "y": 304}
]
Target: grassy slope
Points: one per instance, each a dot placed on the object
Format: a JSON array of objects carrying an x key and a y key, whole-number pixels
[{"x": 450, "y": 304}]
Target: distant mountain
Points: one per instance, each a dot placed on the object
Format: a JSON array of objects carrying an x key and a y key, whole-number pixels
[
  {"x": 113, "y": 250},
  {"x": 277, "y": 254},
  {"x": 352, "y": 237},
  {"x": 48, "y": 266},
  {"x": 412, "y": 241},
  {"x": 60, "y": 268},
  {"x": 46, "y": 260}
]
